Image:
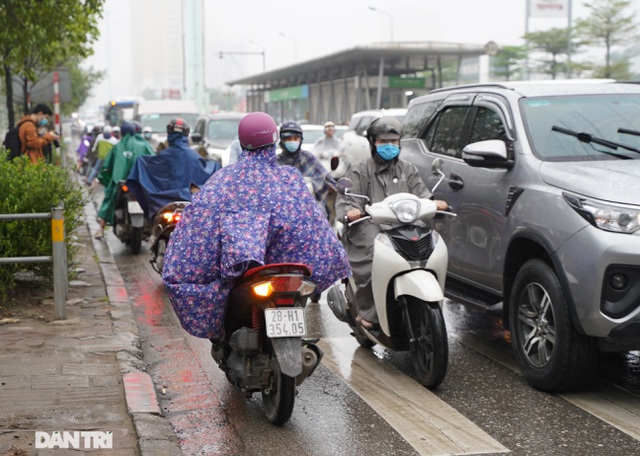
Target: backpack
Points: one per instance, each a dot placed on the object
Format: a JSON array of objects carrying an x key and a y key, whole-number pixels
[{"x": 12, "y": 141}]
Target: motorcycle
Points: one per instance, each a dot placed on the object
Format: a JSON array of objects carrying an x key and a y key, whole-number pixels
[
  {"x": 164, "y": 222},
  {"x": 129, "y": 223},
  {"x": 408, "y": 278},
  {"x": 263, "y": 349}
]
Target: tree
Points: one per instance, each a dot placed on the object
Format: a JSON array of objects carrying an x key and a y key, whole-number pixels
[
  {"x": 81, "y": 83},
  {"x": 554, "y": 42},
  {"x": 609, "y": 24},
  {"x": 41, "y": 35},
  {"x": 507, "y": 63}
]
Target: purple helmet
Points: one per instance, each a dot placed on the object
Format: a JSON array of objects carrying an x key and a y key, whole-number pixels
[{"x": 257, "y": 129}]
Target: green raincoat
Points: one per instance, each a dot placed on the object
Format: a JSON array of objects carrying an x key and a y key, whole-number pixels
[{"x": 116, "y": 167}]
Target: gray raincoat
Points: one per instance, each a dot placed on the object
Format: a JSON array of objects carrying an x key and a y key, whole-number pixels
[{"x": 376, "y": 179}]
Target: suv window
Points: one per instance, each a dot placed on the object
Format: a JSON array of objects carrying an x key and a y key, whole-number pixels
[
  {"x": 446, "y": 134},
  {"x": 417, "y": 117},
  {"x": 598, "y": 115},
  {"x": 199, "y": 128},
  {"x": 487, "y": 124},
  {"x": 223, "y": 129}
]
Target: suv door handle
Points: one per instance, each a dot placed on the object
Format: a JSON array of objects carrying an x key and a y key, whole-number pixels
[{"x": 455, "y": 182}]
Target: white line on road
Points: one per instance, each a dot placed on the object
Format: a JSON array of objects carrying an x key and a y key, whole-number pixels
[
  {"x": 605, "y": 401},
  {"x": 429, "y": 424}
]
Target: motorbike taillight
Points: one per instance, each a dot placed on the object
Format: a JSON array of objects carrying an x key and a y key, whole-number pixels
[
  {"x": 170, "y": 217},
  {"x": 283, "y": 284}
]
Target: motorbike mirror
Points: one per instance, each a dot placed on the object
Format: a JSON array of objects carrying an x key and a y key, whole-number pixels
[
  {"x": 335, "y": 162},
  {"x": 436, "y": 170},
  {"x": 344, "y": 185}
]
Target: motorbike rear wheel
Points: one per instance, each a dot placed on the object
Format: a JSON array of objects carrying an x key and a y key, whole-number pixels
[
  {"x": 430, "y": 348},
  {"x": 278, "y": 402},
  {"x": 161, "y": 247}
]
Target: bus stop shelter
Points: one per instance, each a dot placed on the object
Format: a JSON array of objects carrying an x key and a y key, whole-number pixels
[{"x": 383, "y": 75}]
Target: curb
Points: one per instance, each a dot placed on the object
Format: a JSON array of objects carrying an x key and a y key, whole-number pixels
[{"x": 156, "y": 436}]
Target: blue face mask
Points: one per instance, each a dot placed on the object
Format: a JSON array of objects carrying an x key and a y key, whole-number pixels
[
  {"x": 292, "y": 146},
  {"x": 388, "y": 151},
  {"x": 44, "y": 121}
]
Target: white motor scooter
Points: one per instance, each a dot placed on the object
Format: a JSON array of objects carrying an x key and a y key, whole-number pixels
[{"x": 408, "y": 278}]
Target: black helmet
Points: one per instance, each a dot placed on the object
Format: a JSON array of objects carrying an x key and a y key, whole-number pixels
[
  {"x": 385, "y": 127},
  {"x": 127, "y": 128},
  {"x": 289, "y": 129},
  {"x": 178, "y": 125}
]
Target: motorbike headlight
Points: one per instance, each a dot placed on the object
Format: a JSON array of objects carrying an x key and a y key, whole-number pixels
[
  {"x": 618, "y": 218},
  {"x": 406, "y": 210}
]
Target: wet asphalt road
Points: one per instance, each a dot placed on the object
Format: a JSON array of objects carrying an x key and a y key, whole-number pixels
[{"x": 484, "y": 406}]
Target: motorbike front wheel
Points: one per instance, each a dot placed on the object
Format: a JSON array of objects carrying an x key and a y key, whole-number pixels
[
  {"x": 278, "y": 400},
  {"x": 430, "y": 348}
]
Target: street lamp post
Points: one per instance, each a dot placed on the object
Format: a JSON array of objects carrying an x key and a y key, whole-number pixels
[
  {"x": 295, "y": 46},
  {"x": 221, "y": 54},
  {"x": 388, "y": 16}
]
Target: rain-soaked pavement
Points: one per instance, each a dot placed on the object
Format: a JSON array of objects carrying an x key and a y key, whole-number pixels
[{"x": 362, "y": 402}]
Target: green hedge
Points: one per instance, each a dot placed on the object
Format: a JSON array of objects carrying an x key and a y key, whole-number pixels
[{"x": 28, "y": 188}]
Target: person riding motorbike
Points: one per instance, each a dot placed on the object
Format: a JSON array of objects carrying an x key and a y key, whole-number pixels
[
  {"x": 310, "y": 167},
  {"x": 328, "y": 145},
  {"x": 147, "y": 133},
  {"x": 116, "y": 167},
  {"x": 252, "y": 213},
  {"x": 156, "y": 180},
  {"x": 384, "y": 173},
  {"x": 307, "y": 163}
]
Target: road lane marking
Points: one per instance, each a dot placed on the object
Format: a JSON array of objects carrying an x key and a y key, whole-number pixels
[
  {"x": 610, "y": 404},
  {"x": 427, "y": 423},
  {"x": 604, "y": 400}
]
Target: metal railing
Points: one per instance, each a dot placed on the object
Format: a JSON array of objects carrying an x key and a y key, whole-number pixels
[{"x": 58, "y": 255}]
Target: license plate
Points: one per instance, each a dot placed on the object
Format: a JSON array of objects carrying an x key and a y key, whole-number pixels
[{"x": 285, "y": 322}]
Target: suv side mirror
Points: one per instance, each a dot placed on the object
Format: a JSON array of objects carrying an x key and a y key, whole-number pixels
[
  {"x": 487, "y": 154},
  {"x": 196, "y": 137}
]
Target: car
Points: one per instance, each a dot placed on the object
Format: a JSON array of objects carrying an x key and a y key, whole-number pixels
[
  {"x": 158, "y": 113},
  {"x": 214, "y": 133},
  {"x": 355, "y": 146},
  {"x": 362, "y": 119},
  {"x": 543, "y": 176},
  {"x": 312, "y": 132}
]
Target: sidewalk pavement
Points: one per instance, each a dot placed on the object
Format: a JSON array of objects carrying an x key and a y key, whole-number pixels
[{"x": 85, "y": 373}]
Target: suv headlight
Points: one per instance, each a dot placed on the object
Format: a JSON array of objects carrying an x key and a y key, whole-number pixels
[
  {"x": 618, "y": 218},
  {"x": 406, "y": 210}
]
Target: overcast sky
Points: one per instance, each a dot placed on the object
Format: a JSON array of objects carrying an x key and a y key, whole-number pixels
[{"x": 292, "y": 32}]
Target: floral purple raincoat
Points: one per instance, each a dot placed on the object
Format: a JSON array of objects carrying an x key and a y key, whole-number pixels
[{"x": 251, "y": 211}]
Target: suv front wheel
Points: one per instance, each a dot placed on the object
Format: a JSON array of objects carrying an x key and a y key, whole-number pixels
[{"x": 552, "y": 355}]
